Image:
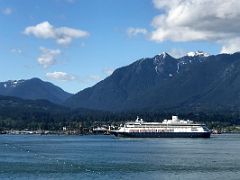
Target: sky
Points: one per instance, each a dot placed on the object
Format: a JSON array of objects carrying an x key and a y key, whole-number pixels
[{"x": 76, "y": 43}]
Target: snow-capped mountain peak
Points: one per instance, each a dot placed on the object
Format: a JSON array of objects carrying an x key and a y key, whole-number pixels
[
  {"x": 163, "y": 55},
  {"x": 197, "y": 53}
]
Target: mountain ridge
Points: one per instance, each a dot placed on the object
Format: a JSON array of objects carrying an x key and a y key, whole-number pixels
[
  {"x": 163, "y": 82},
  {"x": 33, "y": 89}
]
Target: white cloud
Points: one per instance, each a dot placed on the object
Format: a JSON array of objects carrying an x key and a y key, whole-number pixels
[
  {"x": 48, "y": 56},
  {"x": 43, "y": 30},
  {"x": 57, "y": 75},
  {"x": 7, "y": 11},
  {"x": 62, "y": 35},
  {"x": 177, "y": 53},
  {"x": 63, "y": 76},
  {"x": 90, "y": 79},
  {"x": 93, "y": 78},
  {"x": 136, "y": 31},
  {"x": 16, "y": 50},
  {"x": 108, "y": 71},
  {"x": 197, "y": 20},
  {"x": 231, "y": 46}
]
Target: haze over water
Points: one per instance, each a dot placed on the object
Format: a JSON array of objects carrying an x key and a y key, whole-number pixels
[{"x": 107, "y": 157}]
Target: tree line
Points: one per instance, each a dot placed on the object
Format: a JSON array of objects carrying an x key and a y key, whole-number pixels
[{"x": 75, "y": 119}]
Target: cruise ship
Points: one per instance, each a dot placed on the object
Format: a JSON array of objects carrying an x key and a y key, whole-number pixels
[{"x": 173, "y": 128}]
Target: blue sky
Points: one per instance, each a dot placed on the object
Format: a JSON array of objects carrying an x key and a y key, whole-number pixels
[{"x": 98, "y": 37}]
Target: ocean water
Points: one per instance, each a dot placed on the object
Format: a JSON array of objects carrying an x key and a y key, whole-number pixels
[{"x": 107, "y": 157}]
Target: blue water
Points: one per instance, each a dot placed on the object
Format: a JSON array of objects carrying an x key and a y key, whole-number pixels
[{"x": 107, "y": 157}]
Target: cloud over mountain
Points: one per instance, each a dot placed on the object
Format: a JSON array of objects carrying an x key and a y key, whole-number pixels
[
  {"x": 197, "y": 20},
  {"x": 57, "y": 75}
]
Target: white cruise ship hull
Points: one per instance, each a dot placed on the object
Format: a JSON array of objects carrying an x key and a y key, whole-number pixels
[{"x": 162, "y": 134}]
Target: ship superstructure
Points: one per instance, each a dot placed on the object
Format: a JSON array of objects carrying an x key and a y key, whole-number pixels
[{"x": 168, "y": 128}]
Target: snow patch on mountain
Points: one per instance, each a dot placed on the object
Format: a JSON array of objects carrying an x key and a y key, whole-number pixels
[
  {"x": 12, "y": 83},
  {"x": 163, "y": 54},
  {"x": 178, "y": 67},
  {"x": 197, "y": 53}
]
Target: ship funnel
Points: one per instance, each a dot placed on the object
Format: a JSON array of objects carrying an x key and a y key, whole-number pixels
[
  {"x": 137, "y": 120},
  {"x": 174, "y": 118}
]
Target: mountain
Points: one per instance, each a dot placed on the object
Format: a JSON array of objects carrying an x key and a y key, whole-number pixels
[
  {"x": 195, "y": 82},
  {"x": 17, "y": 113},
  {"x": 15, "y": 104},
  {"x": 22, "y": 114},
  {"x": 33, "y": 89}
]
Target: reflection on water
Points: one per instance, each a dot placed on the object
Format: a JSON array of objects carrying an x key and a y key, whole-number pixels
[{"x": 107, "y": 157}]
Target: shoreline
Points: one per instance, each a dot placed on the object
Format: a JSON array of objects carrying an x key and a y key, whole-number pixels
[{"x": 62, "y": 133}]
